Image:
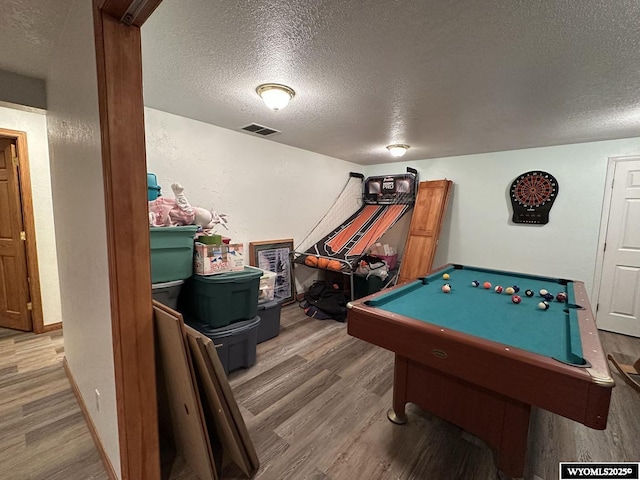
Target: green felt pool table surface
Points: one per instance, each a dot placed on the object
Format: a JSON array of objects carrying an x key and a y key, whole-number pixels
[{"x": 486, "y": 314}]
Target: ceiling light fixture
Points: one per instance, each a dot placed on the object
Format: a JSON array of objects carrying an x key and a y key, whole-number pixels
[
  {"x": 275, "y": 96},
  {"x": 398, "y": 150}
]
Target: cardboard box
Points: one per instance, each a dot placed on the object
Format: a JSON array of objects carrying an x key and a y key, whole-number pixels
[
  {"x": 212, "y": 259},
  {"x": 209, "y": 259},
  {"x": 235, "y": 256},
  {"x": 210, "y": 239}
]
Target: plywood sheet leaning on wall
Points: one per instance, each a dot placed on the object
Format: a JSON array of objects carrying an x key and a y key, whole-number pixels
[
  {"x": 223, "y": 409},
  {"x": 230, "y": 401},
  {"x": 187, "y": 418},
  {"x": 424, "y": 231}
]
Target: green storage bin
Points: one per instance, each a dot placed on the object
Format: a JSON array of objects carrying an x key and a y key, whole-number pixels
[
  {"x": 366, "y": 286},
  {"x": 171, "y": 253},
  {"x": 221, "y": 299}
]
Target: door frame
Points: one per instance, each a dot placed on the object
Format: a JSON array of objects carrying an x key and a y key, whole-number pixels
[
  {"x": 119, "y": 74},
  {"x": 37, "y": 316},
  {"x": 604, "y": 224}
]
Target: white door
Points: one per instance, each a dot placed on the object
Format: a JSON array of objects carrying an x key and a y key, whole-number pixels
[{"x": 619, "y": 298}]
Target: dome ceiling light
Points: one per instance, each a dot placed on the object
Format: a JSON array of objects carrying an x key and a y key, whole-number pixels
[
  {"x": 275, "y": 96},
  {"x": 398, "y": 149}
]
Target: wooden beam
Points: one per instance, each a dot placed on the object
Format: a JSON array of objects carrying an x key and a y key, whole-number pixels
[
  {"x": 130, "y": 12},
  {"x": 119, "y": 66}
]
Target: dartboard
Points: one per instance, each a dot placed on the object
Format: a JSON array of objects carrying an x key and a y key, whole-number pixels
[{"x": 532, "y": 196}]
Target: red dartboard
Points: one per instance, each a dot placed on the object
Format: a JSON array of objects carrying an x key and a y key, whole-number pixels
[{"x": 532, "y": 196}]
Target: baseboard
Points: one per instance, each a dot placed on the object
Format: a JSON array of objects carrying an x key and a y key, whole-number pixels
[
  {"x": 51, "y": 327},
  {"x": 92, "y": 428},
  {"x": 39, "y": 328}
]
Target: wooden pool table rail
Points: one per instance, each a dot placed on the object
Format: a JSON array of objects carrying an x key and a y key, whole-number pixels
[{"x": 541, "y": 381}]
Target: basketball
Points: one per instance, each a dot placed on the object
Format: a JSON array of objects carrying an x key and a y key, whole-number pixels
[
  {"x": 311, "y": 261},
  {"x": 334, "y": 265}
]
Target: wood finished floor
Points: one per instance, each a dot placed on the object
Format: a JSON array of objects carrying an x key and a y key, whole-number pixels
[
  {"x": 315, "y": 405},
  {"x": 43, "y": 434}
]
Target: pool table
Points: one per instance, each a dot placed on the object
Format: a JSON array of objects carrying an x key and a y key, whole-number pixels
[{"x": 477, "y": 359}]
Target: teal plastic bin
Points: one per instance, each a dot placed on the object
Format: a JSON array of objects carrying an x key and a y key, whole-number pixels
[
  {"x": 221, "y": 299},
  {"x": 153, "y": 189},
  {"x": 171, "y": 253}
]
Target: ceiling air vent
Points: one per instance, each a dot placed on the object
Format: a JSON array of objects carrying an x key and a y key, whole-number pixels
[{"x": 260, "y": 130}]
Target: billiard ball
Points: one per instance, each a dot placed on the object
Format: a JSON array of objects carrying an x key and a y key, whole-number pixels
[
  {"x": 447, "y": 285},
  {"x": 529, "y": 293},
  {"x": 548, "y": 297},
  {"x": 487, "y": 285},
  {"x": 516, "y": 299},
  {"x": 475, "y": 283},
  {"x": 509, "y": 291},
  {"x": 446, "y": 276},
  {"x": 516, "y": 288},
  {"x": 446, "y": 288},
  {"x": 498, "y": 289},
  {"x": 543, "y": 306},
  {"x": 543, "y": 292},
  {"x": 561, "y": 297}
]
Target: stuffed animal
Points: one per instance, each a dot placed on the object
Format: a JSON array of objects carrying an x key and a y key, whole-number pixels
[{"x": 164, "y": 212}]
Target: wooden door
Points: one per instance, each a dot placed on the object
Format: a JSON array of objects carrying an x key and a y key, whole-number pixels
[
  {"x": 14, "y": 286},
  {"x": 619, "y": 300},
  {"x": 426, "y": 220}
]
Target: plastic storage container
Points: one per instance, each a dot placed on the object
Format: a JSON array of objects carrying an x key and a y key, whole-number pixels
[
  {"x": 171, "y": 253},
  {"x": 235, "y": 343},
  {"x": 221, "y": 299},
  {"x": 167, "y": 293},
  {"x": 269, "y": 320},
  {"x": 366, "y": 286},
  {"x": 153, "y": 189},
  {"x": 267, "y": 286}
]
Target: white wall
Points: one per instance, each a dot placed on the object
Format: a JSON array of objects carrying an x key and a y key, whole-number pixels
[
  {"x": 78, "y": 200},
  {"x": 269, "y": 191},
  {"x": 478, "y": 228},
  {"x": 272, "y": 191},
  {"x": 35, "y": 126}
]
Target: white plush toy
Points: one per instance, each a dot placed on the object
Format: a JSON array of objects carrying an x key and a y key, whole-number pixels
[{"x": 165, "y": 212}]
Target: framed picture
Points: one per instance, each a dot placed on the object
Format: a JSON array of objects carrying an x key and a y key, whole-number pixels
[{"x": 275, "y": 256}]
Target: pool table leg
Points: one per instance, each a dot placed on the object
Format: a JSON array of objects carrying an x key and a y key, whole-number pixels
[
  {"x": 397, "y": 414},
  {"x": 512, "y": 450}
]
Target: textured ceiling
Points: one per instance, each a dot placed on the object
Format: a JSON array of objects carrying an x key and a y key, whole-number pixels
[
  {"x": 29, "y": 30},
  {"x": 446, "y": 77}
]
